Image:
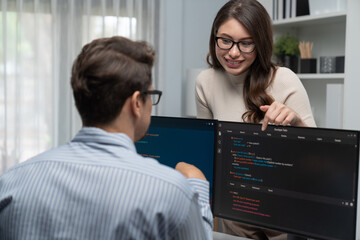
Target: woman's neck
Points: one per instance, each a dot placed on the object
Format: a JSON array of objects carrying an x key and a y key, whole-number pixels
[{"x": 237, "y": 79}]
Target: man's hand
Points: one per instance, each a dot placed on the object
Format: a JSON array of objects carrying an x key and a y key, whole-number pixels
[{"x": 189, "y": 171}]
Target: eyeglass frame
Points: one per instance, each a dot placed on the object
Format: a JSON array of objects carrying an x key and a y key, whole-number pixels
[
  {"x": 232, "y": 45},
  {"x": 154, "y": 92}
]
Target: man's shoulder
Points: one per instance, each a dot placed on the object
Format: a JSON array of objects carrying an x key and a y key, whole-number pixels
[
  {"x": 116, "y": 165},
  {"x": 32, "y": 160},
  {"x": 152, "y": 169}
]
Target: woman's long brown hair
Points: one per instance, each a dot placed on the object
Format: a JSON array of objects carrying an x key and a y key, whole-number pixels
[{"x": 254, "y": 17}]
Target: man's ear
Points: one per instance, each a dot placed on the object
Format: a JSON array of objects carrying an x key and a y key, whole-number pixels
[{"x": 136, "y": 103}]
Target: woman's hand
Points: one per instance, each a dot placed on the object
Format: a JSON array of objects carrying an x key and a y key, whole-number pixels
[{"x": 279, "y": 114}]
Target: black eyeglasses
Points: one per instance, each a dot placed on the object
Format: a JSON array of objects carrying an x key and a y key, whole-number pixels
[
  {"x": 227, "y": 44},
  {"x": 155, "y": 95}
]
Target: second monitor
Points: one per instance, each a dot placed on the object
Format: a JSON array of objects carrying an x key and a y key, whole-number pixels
[
  {"x": 171, "y": 140},
  {"x": 292, "y": 179}
]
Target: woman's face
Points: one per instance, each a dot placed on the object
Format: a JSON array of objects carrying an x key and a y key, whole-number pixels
[{"x": 233, "y": 60}]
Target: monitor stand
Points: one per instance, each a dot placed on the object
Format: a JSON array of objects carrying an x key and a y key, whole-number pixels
[{"x": 294, "y": 237}]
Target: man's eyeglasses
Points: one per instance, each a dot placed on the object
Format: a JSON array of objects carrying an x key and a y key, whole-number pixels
[
  {"x": 155, "y": 95},
  {"x": 227, "y": 44}
]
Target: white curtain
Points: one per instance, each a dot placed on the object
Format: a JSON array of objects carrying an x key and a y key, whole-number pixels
[{"x": 39, "y": 39}]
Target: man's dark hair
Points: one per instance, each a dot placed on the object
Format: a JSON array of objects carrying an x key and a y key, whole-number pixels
[{"x": 107, "y": 72}]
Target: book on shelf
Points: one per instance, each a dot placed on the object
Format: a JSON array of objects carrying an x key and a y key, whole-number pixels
[
  {"x": 285, "y": 9},
  {"x": 275, "y": 10},
  {"x": 293, "y": 8},
  {"x": 302, "y": 8},
  {"x": 280, "y": 9}
]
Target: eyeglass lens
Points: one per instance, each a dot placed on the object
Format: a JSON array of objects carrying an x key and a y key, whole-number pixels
[
  {"x": 244, "y": 46},
  {"x": 155, "y": 98}
]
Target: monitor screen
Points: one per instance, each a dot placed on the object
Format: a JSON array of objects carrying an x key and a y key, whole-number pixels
[
  {"x": 171, "y": 140},
  {"x": 296, "y": 180}
]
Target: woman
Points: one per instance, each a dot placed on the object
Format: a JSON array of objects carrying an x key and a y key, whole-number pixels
[{"x": 243, "y": 84}]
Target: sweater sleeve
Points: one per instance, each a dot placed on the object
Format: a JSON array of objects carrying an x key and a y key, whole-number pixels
[
  {"x": 288, "y": 89},
  {"x": 202, "y": 107}
]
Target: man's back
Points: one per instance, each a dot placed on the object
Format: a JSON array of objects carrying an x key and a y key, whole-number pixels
[{"x": 97, "y": 187}]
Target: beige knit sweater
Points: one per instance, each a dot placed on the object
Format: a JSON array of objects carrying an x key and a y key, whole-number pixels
[{"x": 219, "y": 95}]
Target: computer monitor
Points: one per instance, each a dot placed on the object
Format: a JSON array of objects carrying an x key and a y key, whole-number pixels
[
  {"x": 302, "y": 181},
  {"x": 171, "y": 140}
]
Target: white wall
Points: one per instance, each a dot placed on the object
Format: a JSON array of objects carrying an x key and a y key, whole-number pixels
[
  {"x": 170, "y": 57},
  {"x": 185, "y": 33},
  {"x": 352, "y": 69}
]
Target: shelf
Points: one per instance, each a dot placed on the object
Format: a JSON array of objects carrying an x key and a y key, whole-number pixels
[
  {"x": 321, "y": 76},
  {"x": 309, "y": 20}
]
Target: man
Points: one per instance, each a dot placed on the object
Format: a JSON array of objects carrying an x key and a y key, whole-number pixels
[{"x": 97, "y": 186}]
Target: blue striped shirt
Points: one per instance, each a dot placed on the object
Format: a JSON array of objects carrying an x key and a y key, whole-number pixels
[{"x": 98, "y": 187}]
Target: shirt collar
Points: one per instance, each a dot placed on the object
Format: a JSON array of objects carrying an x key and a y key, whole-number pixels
[{"x": 98, "y": 135}]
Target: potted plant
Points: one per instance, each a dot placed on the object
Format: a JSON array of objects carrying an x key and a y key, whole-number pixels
[{"x": 286, "y": 49}]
